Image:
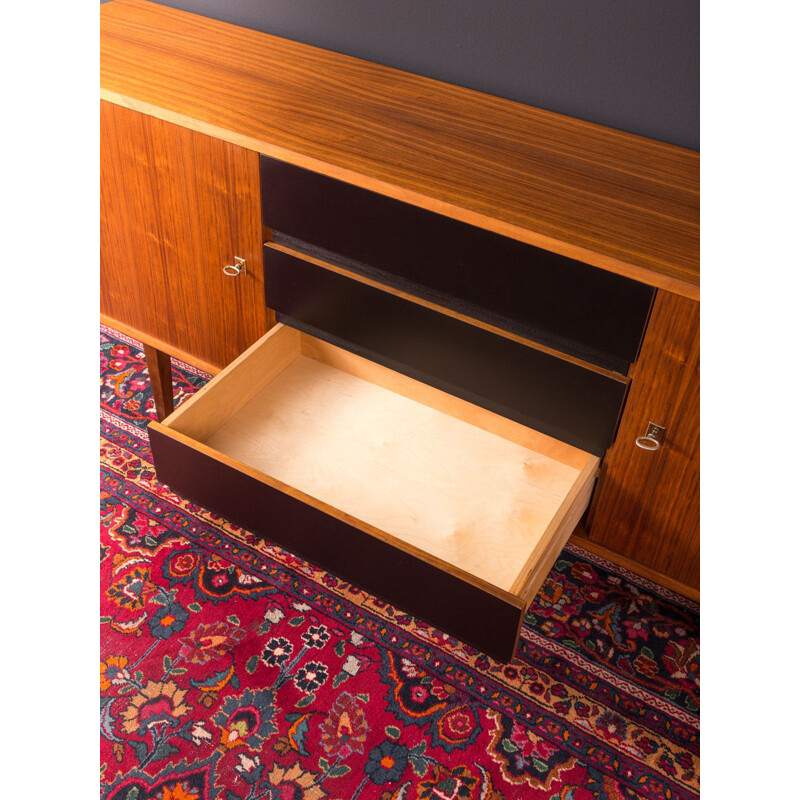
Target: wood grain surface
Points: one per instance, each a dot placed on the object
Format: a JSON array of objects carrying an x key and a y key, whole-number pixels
[
  {"x": 468, "y": 497},
  {"x": 449, "y": 404},
  {"x": 236, "y": 385},
  {"x": 648, "y": 503},
  {"x": 612, "y": 199},
  {"x": 176, "y": 206}
]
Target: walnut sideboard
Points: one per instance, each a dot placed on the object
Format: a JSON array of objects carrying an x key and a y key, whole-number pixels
[{"x": 487, "y": 314}]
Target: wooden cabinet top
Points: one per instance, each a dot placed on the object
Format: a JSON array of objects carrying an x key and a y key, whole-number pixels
[{"x": 612, "y": 199}]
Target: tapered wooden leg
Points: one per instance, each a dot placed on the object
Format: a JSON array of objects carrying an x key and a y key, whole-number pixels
[{"x": 160, "y": 369}]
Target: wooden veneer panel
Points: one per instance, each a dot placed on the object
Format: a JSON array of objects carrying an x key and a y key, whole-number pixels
[
  {"x": 648, "y": 506},
  {"x": 617, "y": 201},
  {"x": 175, "y": 207}
]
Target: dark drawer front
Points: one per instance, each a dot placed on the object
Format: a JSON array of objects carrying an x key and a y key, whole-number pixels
[
  {"x": 556, "y": 397},
  {"x": 565, "y": 304},
  {"x": 433, "y": 594}
]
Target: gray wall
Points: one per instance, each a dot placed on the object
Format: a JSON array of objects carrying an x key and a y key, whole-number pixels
[{"x": 629, "y": 64}]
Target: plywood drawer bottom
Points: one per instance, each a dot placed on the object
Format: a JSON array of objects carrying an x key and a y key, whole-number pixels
[{"x": 442, "y": 508}]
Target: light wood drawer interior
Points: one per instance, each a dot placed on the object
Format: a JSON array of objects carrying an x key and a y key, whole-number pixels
[{"x": 484, "y": 498}]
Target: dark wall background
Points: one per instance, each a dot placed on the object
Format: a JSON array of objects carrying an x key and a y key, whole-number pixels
[{"x": 629, "y": 64}]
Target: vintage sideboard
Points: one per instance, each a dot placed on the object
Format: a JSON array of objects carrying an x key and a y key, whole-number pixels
[{"x": 488, "y": 315}]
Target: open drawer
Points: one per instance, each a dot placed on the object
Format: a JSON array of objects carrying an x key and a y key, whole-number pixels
[{"x": 443, "y": 508}]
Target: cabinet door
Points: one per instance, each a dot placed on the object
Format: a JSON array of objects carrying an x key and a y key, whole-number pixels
[
  {"x": 176, "y": 207},
  {"x": 647, "y": 505}
]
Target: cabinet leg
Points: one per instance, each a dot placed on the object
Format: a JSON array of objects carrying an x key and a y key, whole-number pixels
[{"x": 160, "y": 369}]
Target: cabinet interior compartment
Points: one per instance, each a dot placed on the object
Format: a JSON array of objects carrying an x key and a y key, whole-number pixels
[
  {"x": 539, "y": 295},
  {"x": 455, "y": 484}
]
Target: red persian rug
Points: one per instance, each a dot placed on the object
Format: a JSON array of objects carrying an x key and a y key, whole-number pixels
[{"x": 232, "y": 669}]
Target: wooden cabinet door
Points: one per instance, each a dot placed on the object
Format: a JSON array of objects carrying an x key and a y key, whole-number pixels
[
  {"x": 647, "y": 505},
  {"x": 176, "y": 206}
]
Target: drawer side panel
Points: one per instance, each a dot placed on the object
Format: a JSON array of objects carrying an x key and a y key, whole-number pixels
[{"x": 473, "y": 615}]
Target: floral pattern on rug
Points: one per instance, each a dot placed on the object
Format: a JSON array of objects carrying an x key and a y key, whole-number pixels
[
  {"x": 623, "y": 627},
  {"x": 233, "y": 669}
]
